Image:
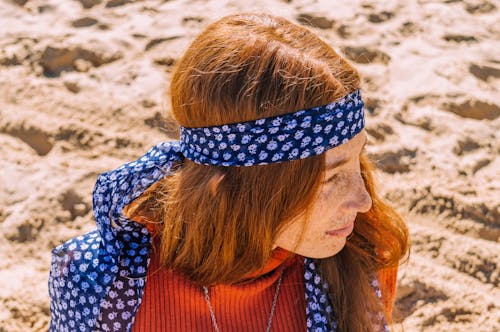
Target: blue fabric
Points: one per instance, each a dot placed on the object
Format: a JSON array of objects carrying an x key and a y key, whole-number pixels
[
  {"x": 96, "y": 280},
  {"x": 291, "y": 136}
]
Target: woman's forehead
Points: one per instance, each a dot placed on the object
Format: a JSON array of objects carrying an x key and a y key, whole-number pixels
[{"x": 341, "y": 154}]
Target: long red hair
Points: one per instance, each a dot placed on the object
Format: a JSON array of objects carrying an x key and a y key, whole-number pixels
[{"x": 217, "y": 224}]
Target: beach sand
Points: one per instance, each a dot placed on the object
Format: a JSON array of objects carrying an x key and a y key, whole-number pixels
[{"x": 83, "y": 89}]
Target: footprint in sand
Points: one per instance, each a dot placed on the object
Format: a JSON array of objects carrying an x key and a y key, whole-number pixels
[
  {"x": 457, "y": 38},
  {"x": 381, "y": 17},
  {"x": 36, "y": 138},
  {"x": 117, "y": 3},
  {"x": 89, "y": 3},
  {"x": 156, "y": 41},
  {"x": 479, "y": 7},
  {"x": 55, "y": 60},
  {"x": 366, "y": 55},
  {"x": 73, "y": 203},
  {"x": 192, "y": 20},
  {"x": 315, "y": 21},
  {"x": 20, "y": 2},
  {"x": 408, "y": 28},
  {"x": 413, "y": 295},
  {"x": 84, "y": 22},
  {"x": 167, "y": 62},
  {"x": 474, "y": 109},
  {"x": 22, "y": 227},
  {"x": 484, "y": 72},
  {"x": 397, "y": 160},
  {"x": 465, "y": 144},
  {"x": 379, "y": 130}
]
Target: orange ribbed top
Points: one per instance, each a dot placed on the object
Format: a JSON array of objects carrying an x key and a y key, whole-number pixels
[{"x": 172, "y": 303}]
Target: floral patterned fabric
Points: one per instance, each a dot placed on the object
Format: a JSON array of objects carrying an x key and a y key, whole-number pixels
[
  {"x": 291, "y": 136},
  {"x": 97, "y": 280}
]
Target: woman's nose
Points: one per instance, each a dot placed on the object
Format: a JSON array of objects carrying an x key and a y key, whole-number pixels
[
  {"x": 360, "y": 199},
  {"x": 365, "y": 201}
]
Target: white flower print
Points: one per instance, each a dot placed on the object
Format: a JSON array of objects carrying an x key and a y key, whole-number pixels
[
  {"x": 277, "y": 156},
  {"x": 334, "y": 140},
  {"x": 287, "y": 146},
  {"x": 305, "y": 124},
  {"x": 273, "y": 130},
  {"x": 319, "y": 149},
  {"x": 252, "y": 148},
  {"x": 305, "y": 141},
  {"x": 272, "y": 145},
  {"x": 298, "y": 135},
  {"x": 245, "y": 139},
  {"x": 262, "y": 138},
  {"x": 240, "y": 127},
  {"x": 291, "y": 124}
]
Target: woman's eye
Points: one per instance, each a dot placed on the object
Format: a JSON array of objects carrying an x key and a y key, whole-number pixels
[{"x": 332, "y": 178}]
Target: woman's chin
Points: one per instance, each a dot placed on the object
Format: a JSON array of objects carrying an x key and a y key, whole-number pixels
[{"x": 320, "y": 251}]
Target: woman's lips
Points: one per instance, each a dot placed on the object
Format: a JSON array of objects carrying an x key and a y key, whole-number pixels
[{"x": 342, "y": 232}]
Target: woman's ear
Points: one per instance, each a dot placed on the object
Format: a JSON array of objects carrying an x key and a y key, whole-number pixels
[{"x": 214, "y": 182}]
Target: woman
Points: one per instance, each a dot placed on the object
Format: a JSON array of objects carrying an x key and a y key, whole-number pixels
[{"x": 263, "y": 217}]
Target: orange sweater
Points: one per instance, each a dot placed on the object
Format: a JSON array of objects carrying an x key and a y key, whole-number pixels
[{"x": 237, "y": 307}]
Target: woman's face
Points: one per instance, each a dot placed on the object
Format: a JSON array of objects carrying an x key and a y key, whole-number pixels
[{"x": 341, "y": 196}]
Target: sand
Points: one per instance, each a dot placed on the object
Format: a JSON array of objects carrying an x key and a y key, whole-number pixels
[{"x": 82, "y": 90}]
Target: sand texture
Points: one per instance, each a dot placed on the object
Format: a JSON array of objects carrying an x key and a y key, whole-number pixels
[{"x": 82, "y": 90}]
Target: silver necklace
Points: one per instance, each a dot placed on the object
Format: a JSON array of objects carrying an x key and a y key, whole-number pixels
[{"x": 273, "y": 308}]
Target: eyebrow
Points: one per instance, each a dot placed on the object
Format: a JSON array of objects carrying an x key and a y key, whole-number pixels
[{"x": 342, "y": 161}]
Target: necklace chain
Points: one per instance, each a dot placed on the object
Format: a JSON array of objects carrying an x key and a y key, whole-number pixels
[{"x": 273, "y": 308}]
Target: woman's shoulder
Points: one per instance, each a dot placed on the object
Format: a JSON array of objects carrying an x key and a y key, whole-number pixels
[
  {"x": 84, "y": 272},
  {"x": 80, "y": 264}
]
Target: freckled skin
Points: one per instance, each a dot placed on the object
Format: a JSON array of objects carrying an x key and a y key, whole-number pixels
[{"x": 342, "y": 195}]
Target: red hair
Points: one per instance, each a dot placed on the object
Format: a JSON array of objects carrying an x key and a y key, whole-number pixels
[{"x": 218, "y": 224}]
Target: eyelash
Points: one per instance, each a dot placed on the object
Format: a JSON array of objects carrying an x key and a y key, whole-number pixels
[{"x": 332, "y": 178}]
